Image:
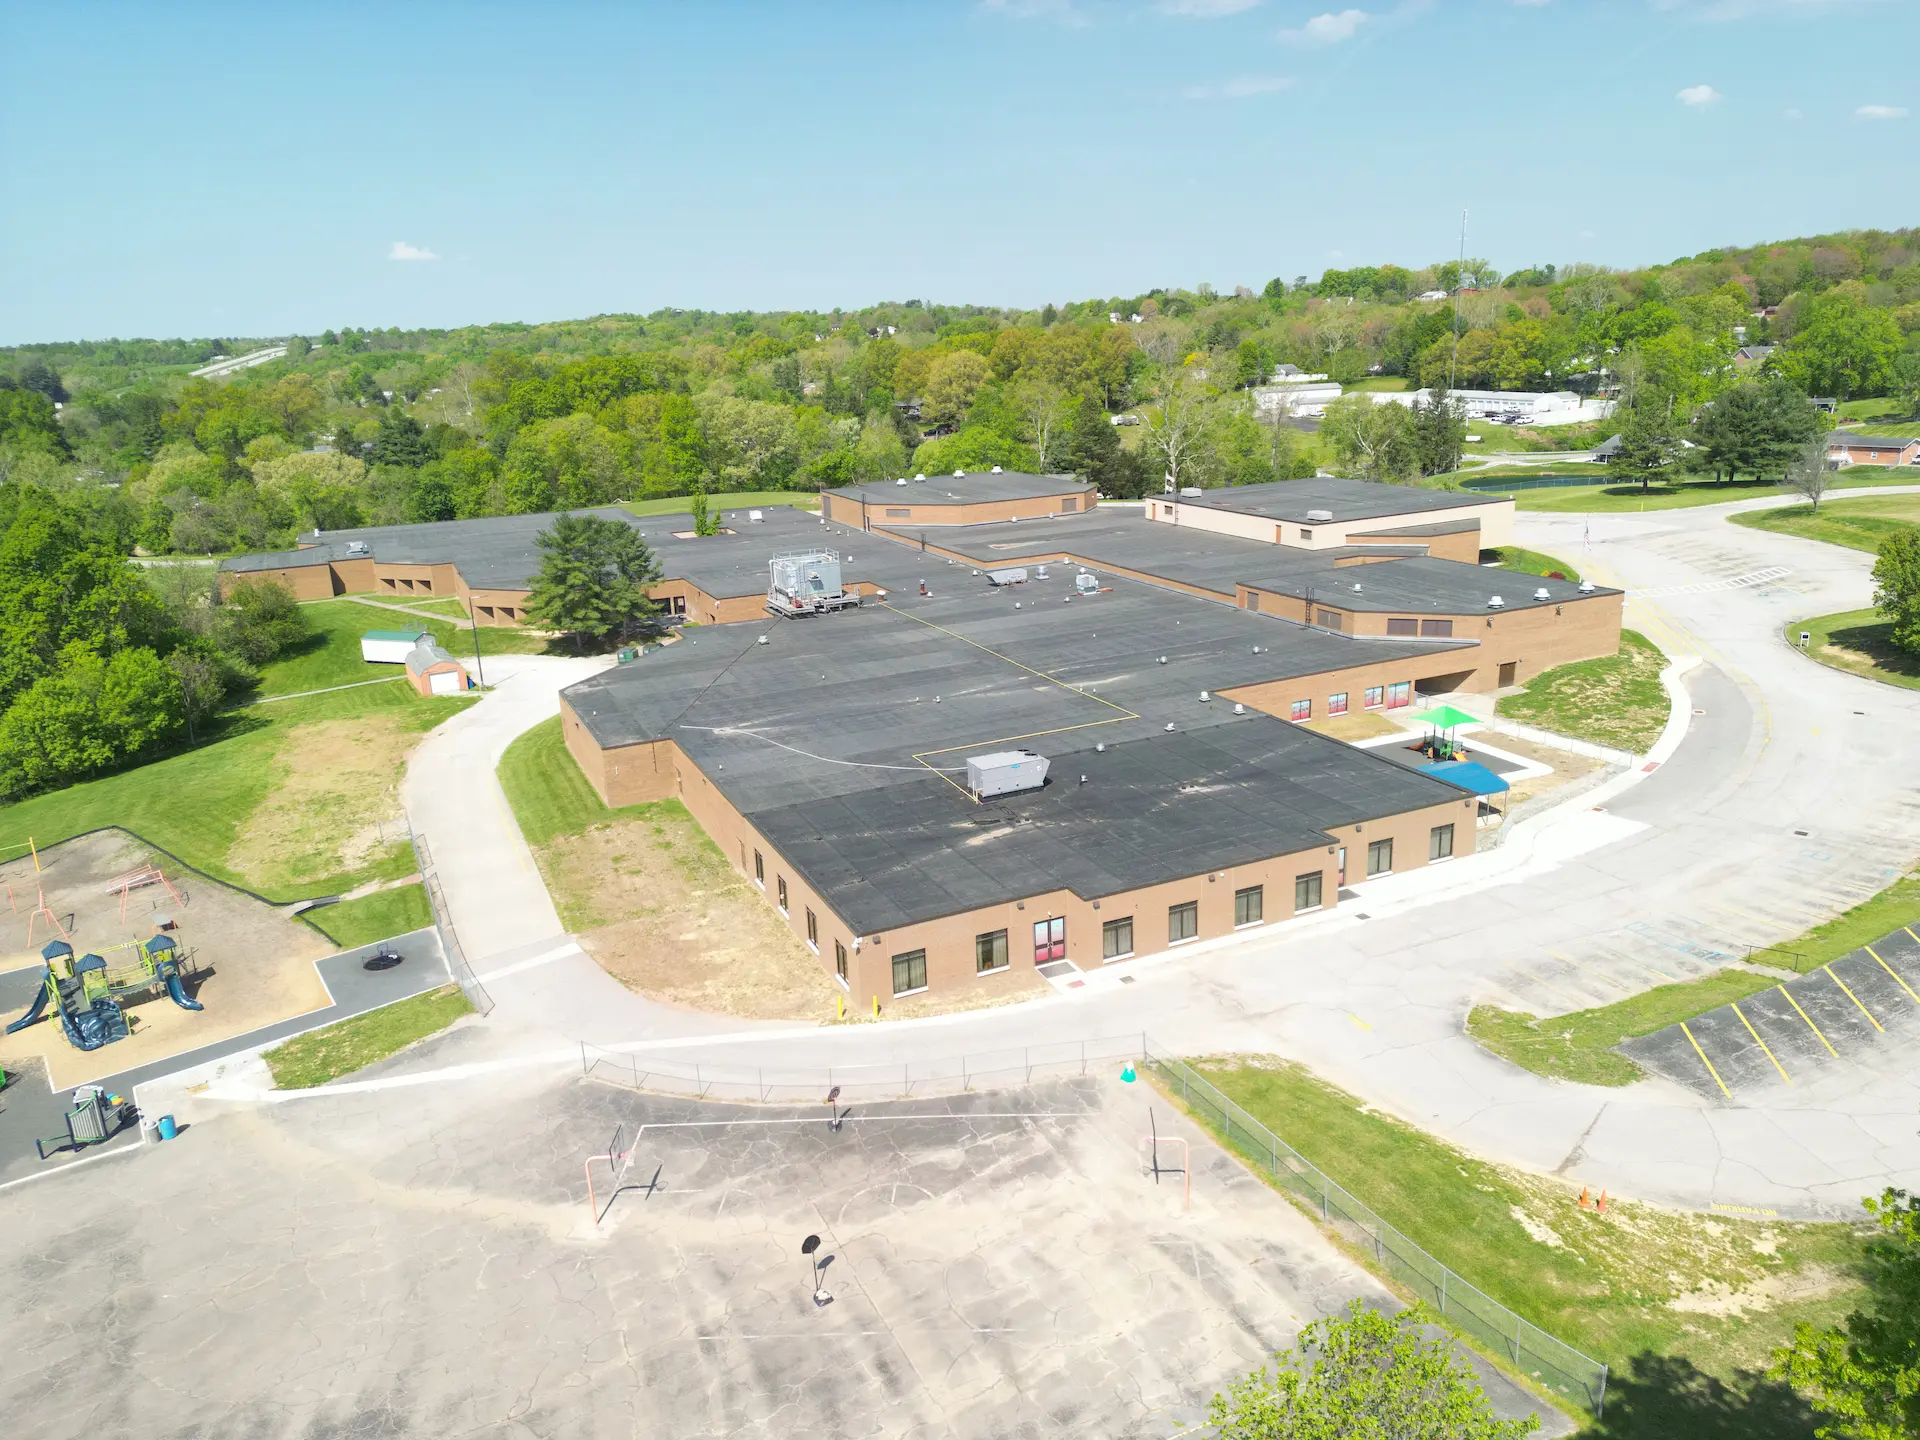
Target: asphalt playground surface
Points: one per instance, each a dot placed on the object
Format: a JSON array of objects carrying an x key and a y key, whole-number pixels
[
  {"x": 30, "y": 1111},
  {"x": 424, "y": 1262},
  {"x": 1862, "y": 1006}
]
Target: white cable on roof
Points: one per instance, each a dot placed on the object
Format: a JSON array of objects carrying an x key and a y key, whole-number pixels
[{"x": 823, "y": 759}]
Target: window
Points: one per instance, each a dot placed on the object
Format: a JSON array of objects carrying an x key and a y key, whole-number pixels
[
  {"x": 1375, "y": 694},
  {"x": 1398, "y": 695},
  {"x": 1253, "y": 599},
  {"x": 1306, "y": 535},
  {"x": 1437, "y": 629},
  {"x": 1337, "y": 704},
  {"x": 899, "y": 514},
  {"x": 909, "y": 972},
  {"x": 1440, "y": 843},
  {"x": 1116, "y": 938},
  {"x": 1302, "y": 710},
  {"x": 1166, "y": 509},
  {"x": 781, "y": 882},
  {"x": 759, "y": 870},
  {"x": 1049, "y": 940},
  {"x": 487, "y": 610},
  {"x": 813, "y": 929},
  {"x": 1306, "y": 891},
  {"x": 1331, "y": 620},
  {"x": 840, "y": 960},
  {"x": 990, "y": 952},
  {"x": 1379, "y": 858},
  {"x": 1183, "y": 922},
  {"x": 1250, "y": 905},
  {"x": 1403, "y": 627}
]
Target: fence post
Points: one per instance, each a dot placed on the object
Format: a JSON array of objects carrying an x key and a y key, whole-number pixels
[
  {"x": 1517, "y": 1323},
  {"x": 965, "y": 1084},
  {"x": 1083, "y": 1057},
  {"x": 1443, "y": 1289},
  {"x": 1026, "y": 1057},
  {"x": 583, "y": 1057},
  {"x": 1323, "y": 1199},
  {"x": 1601, "y": 1403},
  {"x": 760, "y": 1083},
  {"x": 634, "y": 1061}
]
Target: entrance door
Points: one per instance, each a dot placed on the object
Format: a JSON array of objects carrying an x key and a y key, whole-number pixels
[
  {"x": 1506, "y": 673},
  {"x": 1341, "y": 881},
  {"x": 1049, "y": 940},
  {"x": 444, "y": 682}
]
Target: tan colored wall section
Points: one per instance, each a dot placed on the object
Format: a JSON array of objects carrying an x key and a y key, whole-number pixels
[
  {"x": 905, "y": 512},
  {"x": 307, "y": 582}
]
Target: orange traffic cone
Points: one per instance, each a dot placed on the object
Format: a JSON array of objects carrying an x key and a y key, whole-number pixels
[
  {"x": 1602, "y": 1205},
  {"x": 1583, "y": 1197}
]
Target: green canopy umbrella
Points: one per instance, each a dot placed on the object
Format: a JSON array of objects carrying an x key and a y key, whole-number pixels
[{"x": 1446, "y": 717}]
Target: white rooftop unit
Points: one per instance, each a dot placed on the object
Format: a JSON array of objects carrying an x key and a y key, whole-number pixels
[
  {"x": 1005, "y": 772},
  {"x": 806, "y": 582},
  {"x": 1017, "y": 575}
]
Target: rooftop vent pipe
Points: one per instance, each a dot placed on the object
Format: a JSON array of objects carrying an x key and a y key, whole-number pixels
[
  {"x": 1543, "y": 593},
  {"x": 995, "y": 470},
  {"x": 763, "y": 639},
  {"x": 1496, "y": 603},
  {"x": 1317, "y": 516},
  {"x": 1239, "y": 709},
  {"x": 1169, "y": 725},
  {"x": 900, "y": 482},
  {"x": 1586, "y": 587},
  {"x": 1204, "y": 697},
  {"x": 959, "y": 472}
]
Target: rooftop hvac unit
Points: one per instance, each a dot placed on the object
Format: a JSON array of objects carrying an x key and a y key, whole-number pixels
[
  {"x": 1319, "y": 515},
  {"x": 1015, "y": 576},
  {"x": 1041, "y": 572},
  {"x": 806, "y": 582},
  {"x": 1086, "y": 584},
  {"x": 1191, "y": 490},
  {"x": 754, "y": 517},
  {"x": 358, "y": 547},
  {"x": 1005, "y": 772}
]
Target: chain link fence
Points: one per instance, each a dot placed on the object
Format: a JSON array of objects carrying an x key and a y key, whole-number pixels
[
  {"x": 457, "y": 965},
  {"x": 1553, "y": 1363}
]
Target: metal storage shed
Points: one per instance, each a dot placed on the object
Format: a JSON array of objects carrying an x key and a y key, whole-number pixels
[
  {"x": 435, "y": 672},
  {"x": 390, "y": 646}
]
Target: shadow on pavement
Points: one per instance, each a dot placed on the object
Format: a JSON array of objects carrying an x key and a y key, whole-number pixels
[{"x": 1668, "y": 1396}]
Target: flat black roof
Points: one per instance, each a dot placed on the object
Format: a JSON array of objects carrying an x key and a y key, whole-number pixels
[
  {"x": 844, "y": 739},
  {"x": 1290, "y": 500},
  {"x": 973, "y": 487},
  {"x": 1392, "y": 579}
]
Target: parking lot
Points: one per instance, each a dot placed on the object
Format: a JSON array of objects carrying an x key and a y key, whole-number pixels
[{"x": 1797, "y": 1032}]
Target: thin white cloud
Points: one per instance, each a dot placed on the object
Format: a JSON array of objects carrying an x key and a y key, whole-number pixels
[
  {"x": 1791, "y": 113},
  {"x": 403, "y": 251},
  {"x": 1881, "y": 112},
  {"x": 1205, "y": 9},
  {"x": 1242, "y": 88},
  {"x": 1328, "y": 29},
  {"x": 1698, "y": 95}
]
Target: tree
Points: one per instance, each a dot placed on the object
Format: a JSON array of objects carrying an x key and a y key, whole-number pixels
[
  {"x": 401, "y": 441},
  {"x": 202, "y": 687},
  {"x": 1648, "y": 446},
  {"x": 1045, "y": 408},
  {"x": 705, "y": 522},
  {"x": 1376, "y": 440},
  {"x": 593, "y": 578},
  {"x": 261, "y": 621},
  {"x": 1176, "y": 429},
  {"x": 1865, "y": 1373},
  {"x": 89, "y": 714},
  {"x": 1758, "y": 428},
  {"x": 1439, "y": 433},
  {"x": 1363, "y": 1375},
  {"x": 1809, "y": 475},
  {"x": 1905, "y": 379},
  {"x": 952, "y": 382},
  {"x": 1896, "y": 586},
  {"x": 1843, "y": 347},
  {"x": 1093, "y": 452}
]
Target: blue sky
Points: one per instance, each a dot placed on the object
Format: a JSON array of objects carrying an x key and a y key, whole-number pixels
[{"x": 202, "y": 169}]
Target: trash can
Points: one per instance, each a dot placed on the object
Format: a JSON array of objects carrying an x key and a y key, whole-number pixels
[{"x": 164, "y": 1127}]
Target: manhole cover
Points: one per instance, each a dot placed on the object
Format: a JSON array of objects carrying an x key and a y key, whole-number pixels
[{"x": 383, "y": 960}]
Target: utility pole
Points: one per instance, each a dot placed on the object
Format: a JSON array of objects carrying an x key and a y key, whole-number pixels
[{"x": 480, "y": 669}]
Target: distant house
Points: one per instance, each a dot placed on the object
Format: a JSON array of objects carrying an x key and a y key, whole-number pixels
[
  {"x": 433, "y": 671},
  {"x": 1752, "y": 357},
  {"x": 1825, "y": 404},
  {"x": 1431, "y": 295},
  {"x": 1845, "y": 448},
  {"x": 1606, "y": 449}
]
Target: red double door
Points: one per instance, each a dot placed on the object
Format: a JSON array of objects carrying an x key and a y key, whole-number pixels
[{"x": 1049, "y": 940}]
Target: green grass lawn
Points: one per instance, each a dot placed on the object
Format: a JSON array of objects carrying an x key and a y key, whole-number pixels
[
  {"x": 1682, "y": 493},
  {"x": 1384, "y": 384},
  {"x": 331, "y": 656},
  {"x": 1634, "y": 1284},
  {"x": 379, "y": 916},
  {"x": 1536, "y": 439},
  {"x": 327, "y": 1054},
  {"x": 1617, "y": 700},
  {"x": 730, "y": 500},
  {"x": 1877, "y": 412},
  {"x": 1859, "y": 642},
  {"x": 1528, "y": 562},
  {"x": 549, "y": 795},
  {"x": 194, "y": 803},
  {"x": 1579, "y": 1046},
  {"x": 448, "y": 609},
  {"x": 1862, "y": 524}
]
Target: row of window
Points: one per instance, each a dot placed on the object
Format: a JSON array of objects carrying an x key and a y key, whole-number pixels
[
  {"x": 1376, "y": 697},
  {"x": 1430, "y": 629},
  {"x": 418, "y": 586},
  {"x": 991, "y": 951}
]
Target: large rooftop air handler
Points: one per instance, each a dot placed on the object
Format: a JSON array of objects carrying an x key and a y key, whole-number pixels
[
  {"x": 806, "y": 582},
  {"x": 1006, "y": 772}
]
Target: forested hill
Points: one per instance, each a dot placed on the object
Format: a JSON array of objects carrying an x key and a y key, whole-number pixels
[{"x": 374, "y": 426}]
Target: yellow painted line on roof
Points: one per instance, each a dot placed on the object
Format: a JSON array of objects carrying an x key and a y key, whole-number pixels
[
  {"x": 1896, "y": 975},
  {"x": 954, "y": 634},
  {"x": 1853, "y": 997},
  {"x": 1704, "y": 1061},
  {"x": 1763, "y": 1045},
  {"x": 1810, "y": 1025}
]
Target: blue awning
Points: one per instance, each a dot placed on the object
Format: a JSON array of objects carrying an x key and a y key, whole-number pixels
[{"x": 1468, "y": 775}]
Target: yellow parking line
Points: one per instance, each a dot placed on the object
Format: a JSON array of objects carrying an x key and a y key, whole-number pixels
[
  {"x": 1909, "y": 930},
  {"x": 1704, "y": 1061},
  {"x": 1896, "y": 975},
  {"x": 1763, "y": 1045},
  {"x": 1810, "y": 1025},
  {"x": 1853, "y": 997}
]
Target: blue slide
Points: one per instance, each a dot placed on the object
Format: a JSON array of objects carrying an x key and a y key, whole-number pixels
[
  {"x": 179, "y": 993},
  {"x": 34, "y": 1011}
]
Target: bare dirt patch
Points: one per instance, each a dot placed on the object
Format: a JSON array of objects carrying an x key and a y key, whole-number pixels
[
  {"x": 1364, "y": 725},
  {"x": 335, "y": 795},
  {"x": 1567, "y": 767},
  {"x": 255, "y": 964}
]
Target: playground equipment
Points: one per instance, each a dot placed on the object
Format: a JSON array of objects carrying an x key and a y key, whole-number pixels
[
  {"x": 124, "y": 885},
  {"x": 88, "y": 993},
  {"x": 93, "y": 1118}
]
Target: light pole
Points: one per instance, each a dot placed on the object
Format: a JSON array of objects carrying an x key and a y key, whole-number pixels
[{"x": 480, "y": 670}]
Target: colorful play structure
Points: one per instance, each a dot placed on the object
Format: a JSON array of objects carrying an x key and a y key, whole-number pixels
[{"x": 88, "y": 992}]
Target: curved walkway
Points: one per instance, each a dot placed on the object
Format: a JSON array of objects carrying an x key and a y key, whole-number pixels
[{"x": 1581, "y": 906}]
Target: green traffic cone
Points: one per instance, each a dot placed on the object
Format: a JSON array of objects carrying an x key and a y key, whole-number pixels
[{"x": 1127, "y": 1074}]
